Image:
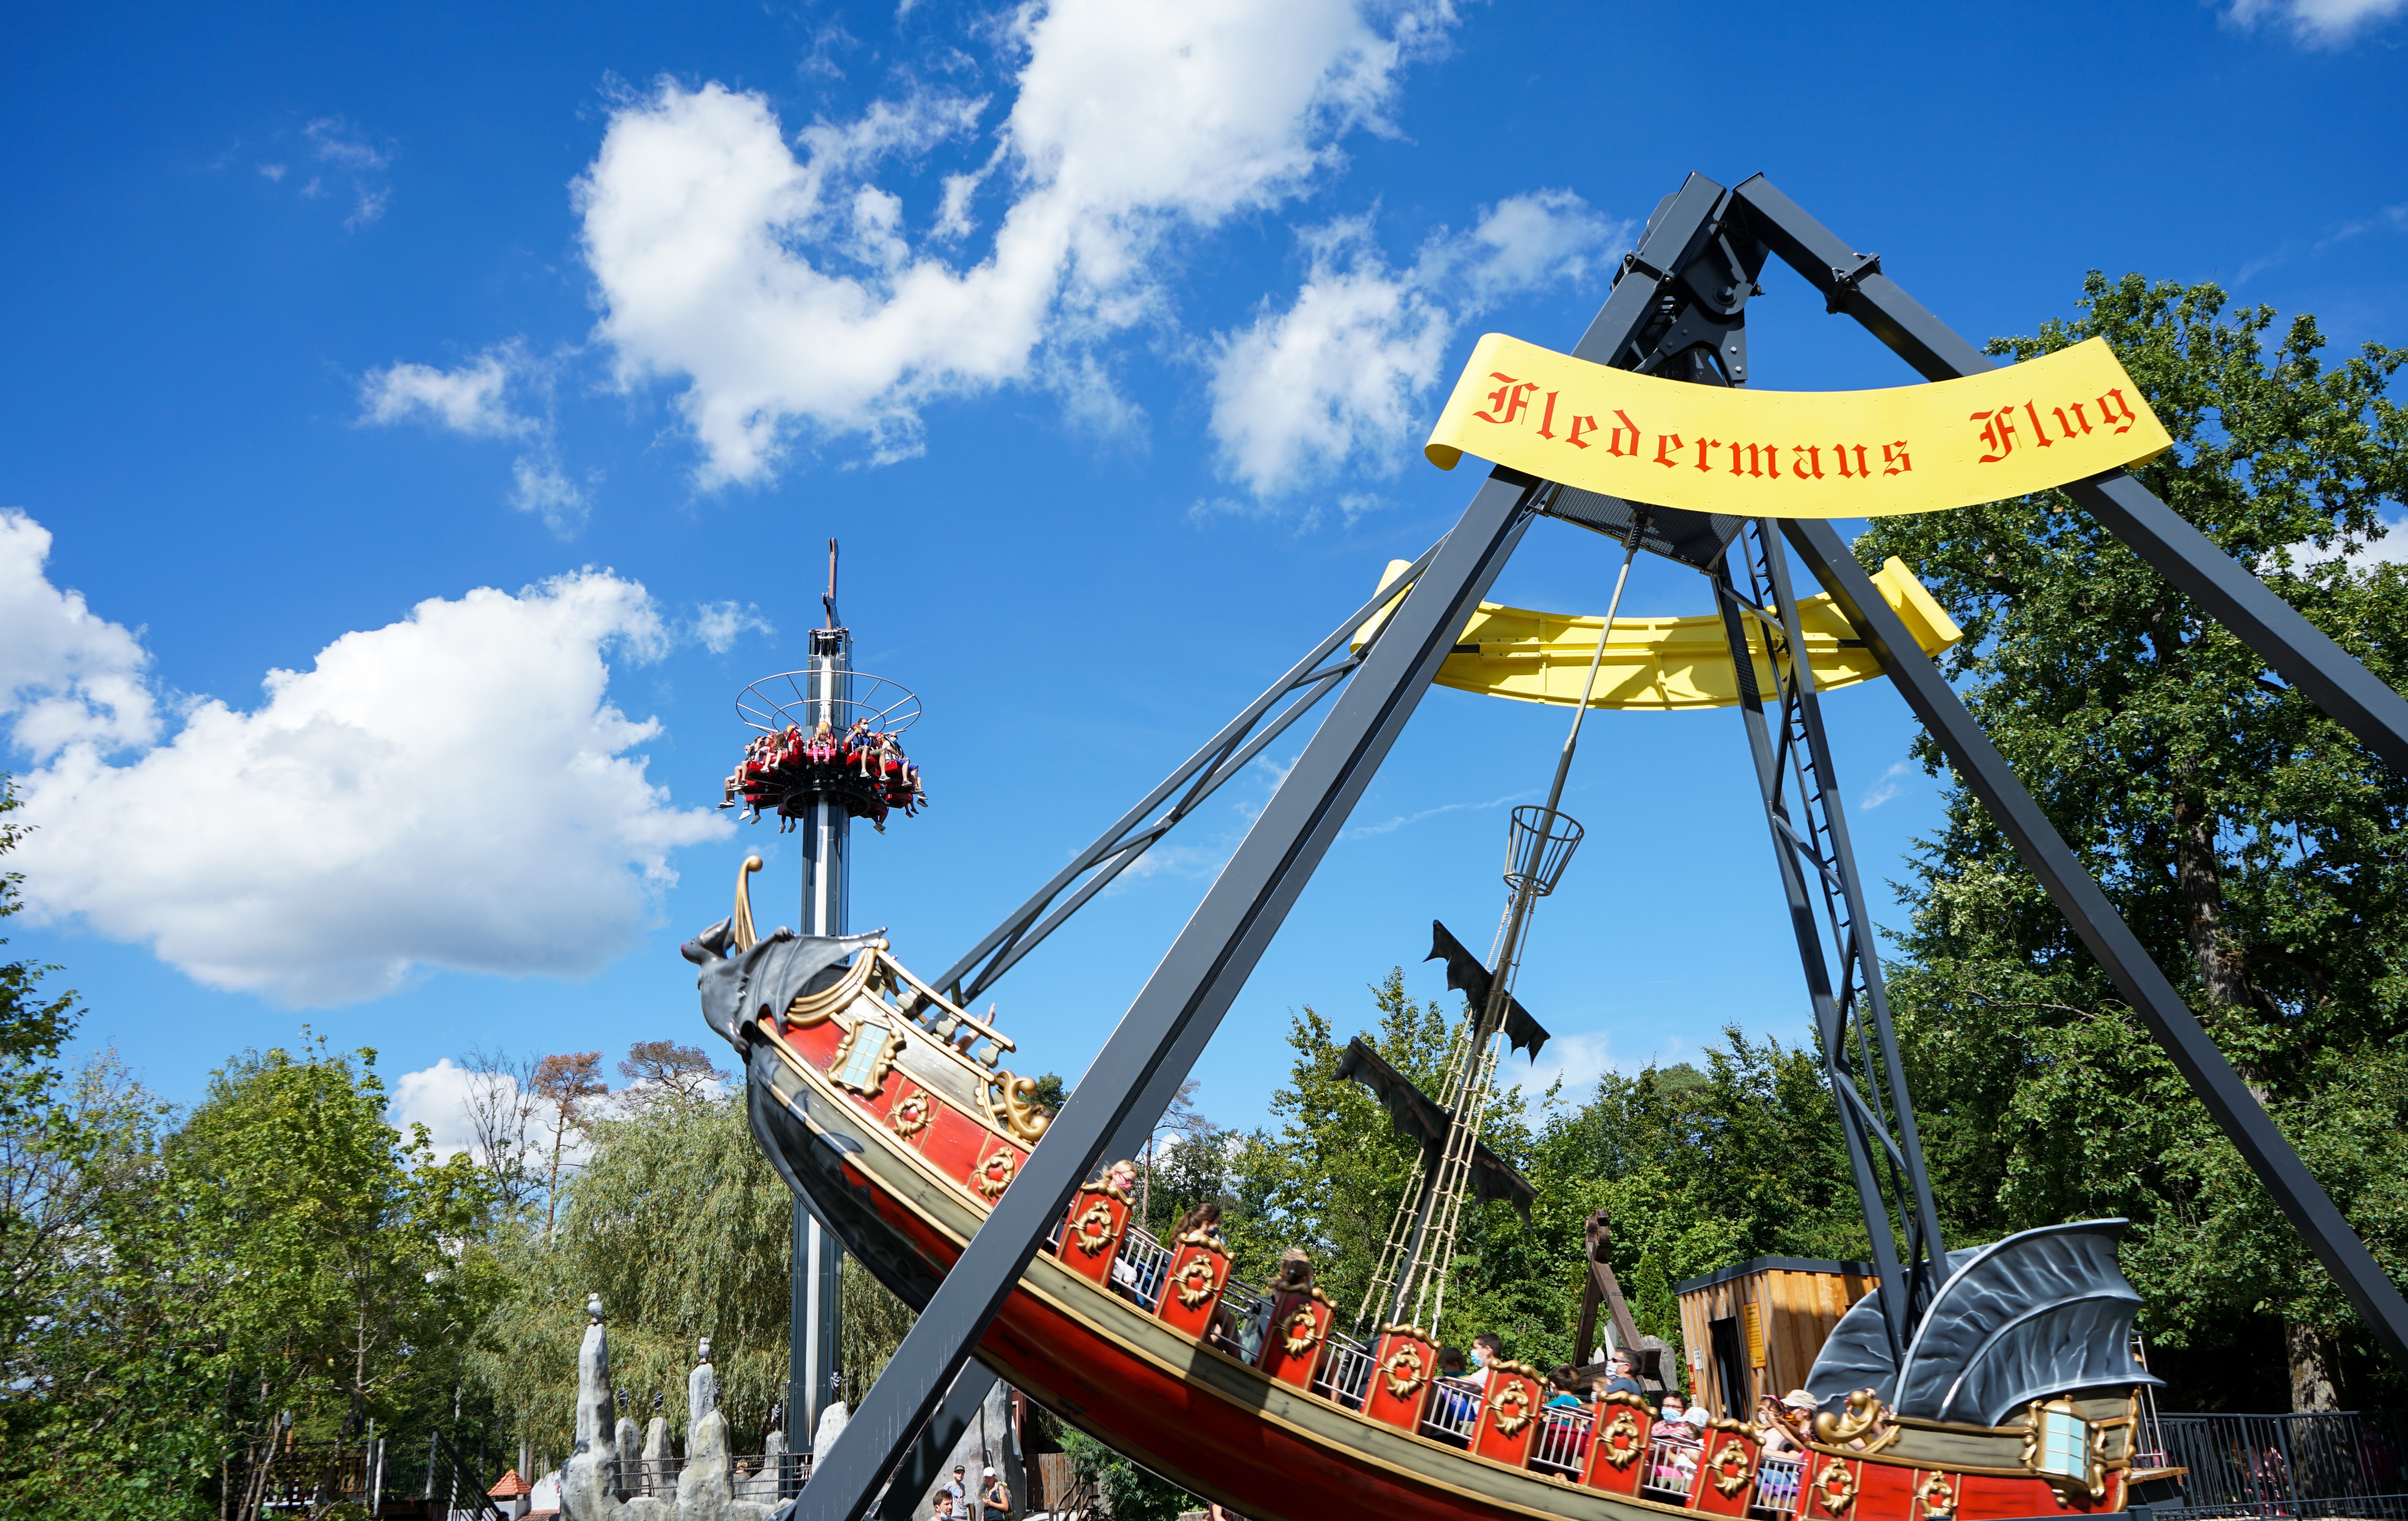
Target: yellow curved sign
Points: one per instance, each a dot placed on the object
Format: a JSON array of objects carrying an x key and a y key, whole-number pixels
[
  {"x": 1665, "y": 664},
  {"x": 2043, "y": 423}
]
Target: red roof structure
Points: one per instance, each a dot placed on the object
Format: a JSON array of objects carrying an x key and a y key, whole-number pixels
[{"x": 511, "y": 1486}]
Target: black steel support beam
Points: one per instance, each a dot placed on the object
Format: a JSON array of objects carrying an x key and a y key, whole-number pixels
[
  {"x": 2085, "y": 907},
  {"x": 2296, "y": 649},
  {"x": 1186, "y": 997},
  {"x": 1896, "y": 1307},
  {"x": 926, "y": 1461}
]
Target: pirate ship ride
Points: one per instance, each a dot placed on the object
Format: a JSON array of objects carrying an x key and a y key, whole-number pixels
[{"x": 1986, "y": 1382}]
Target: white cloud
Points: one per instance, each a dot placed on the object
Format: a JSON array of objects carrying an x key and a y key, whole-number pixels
[
  {"x": 1334, "y": 376},
  {"x": 719, "y": 624},
  {"x": 471, "y": 399},
  {"x": 2389, "y": 547},
  {"x": 474, "y": 400},
  {"x": 539, "y": 486},
  {"x": 1339, "y": 379},
  {"x": 437, "y": 1097},
  {"x": 1885, "y": 786},
  {"x": 2328, "y": 23},
  {"x": 66, "y": 676},
  {"x": 789, "y": 298},
  {"x": 452, "y": 790}
]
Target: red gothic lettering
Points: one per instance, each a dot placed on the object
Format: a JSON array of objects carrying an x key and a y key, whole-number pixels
[
  {"x": 1998, "y": 431},
  {"x": 1549, "y": 421},
  {"x": 1614, "y": 437},
  {"x": 2079, "y": 418},
  {"x": 2038, "y": 432},
  {"x": 2107, "y": 414},
  {"x": 1893, "y": 460},
  {"x": 1665, "y": 444},
  {"x": 1760, "y": 460},
  {"x": 1809, "y": 462},
  {"x": 2068, "y": 426},
  {"x": 1840, "y": 452},
  {"x": 1511, "y": 399},
  {"x": 1704, "y": 444},
  {"x": 1863, "y": 471},
  {"x": 1582, "y": 423}
]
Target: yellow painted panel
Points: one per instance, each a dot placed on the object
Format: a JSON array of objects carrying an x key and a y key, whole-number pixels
[
  {"x": 2060, "y": 418},
  {"x": 1665, "y": 662}
]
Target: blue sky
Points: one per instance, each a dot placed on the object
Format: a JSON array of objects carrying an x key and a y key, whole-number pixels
[{"x": 420, "y": 423}]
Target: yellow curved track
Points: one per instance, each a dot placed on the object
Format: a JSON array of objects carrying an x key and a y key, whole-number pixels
[{"x": 1666, "y": 663}]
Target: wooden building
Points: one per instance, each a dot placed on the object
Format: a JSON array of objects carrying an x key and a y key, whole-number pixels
[{"x": 1755, "y": 1326}]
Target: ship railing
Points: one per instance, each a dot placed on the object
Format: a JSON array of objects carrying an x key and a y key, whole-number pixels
[
  {"x": 1140, "y": 1267},
  {"x": 1345, "y": 1373},
  {"x": 1778, "y": 1480},
  {"x": 1671, "y": 1464},
  {"x": 1561, "y": 1445},
  {"x": 1452, "y": 1412}
]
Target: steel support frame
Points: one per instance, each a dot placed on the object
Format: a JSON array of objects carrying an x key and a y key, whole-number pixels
[
  {"x": 2353, "y": 697},
  {"x": 1156, "y": 1043},
  {"x": 1222, "y": 757},
  {"x": 1863, "y": 1135}
]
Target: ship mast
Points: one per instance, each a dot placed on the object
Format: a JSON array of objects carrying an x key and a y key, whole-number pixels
[{"x": 1411, "y": 1281}]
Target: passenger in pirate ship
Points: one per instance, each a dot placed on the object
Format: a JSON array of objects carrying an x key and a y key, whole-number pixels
[
  {"x": 1783, "y": 1426},
  {"x": 1618, "y": 1379},
  {"x": 1295, "y": 1276}
]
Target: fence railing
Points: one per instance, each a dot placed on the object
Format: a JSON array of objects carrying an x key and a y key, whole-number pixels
[
  {"x": 1777, "y": 1483},
  {"x": 1561, "y": 1445},
  {"x": 767, "y": 1477},
  {"x": 1140, "y": 1267},
  {"x": 1671, "y": 1463},
  {"x": 2327, "y": 1463},
  {"x": 1344, "y": 1374},
  {"x": 1453, "y": 1411}
]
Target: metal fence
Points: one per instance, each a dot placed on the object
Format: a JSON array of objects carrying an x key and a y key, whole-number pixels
[
  {"x": 766, "y": 1478},
  {"x": 2336, "y": 1463}
]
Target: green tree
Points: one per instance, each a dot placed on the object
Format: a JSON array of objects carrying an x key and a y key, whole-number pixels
[
  {"x": 680, "y": 1225},
  {"x": 2249, "y": 840}
]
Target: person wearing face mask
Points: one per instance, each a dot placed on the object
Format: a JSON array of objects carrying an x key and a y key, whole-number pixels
[{"x": 1486, "y": 1352}]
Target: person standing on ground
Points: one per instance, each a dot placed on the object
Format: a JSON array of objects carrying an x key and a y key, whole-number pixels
[
  {"x": 994, "y": 1500},
  {"x": 956, "y": 1494}
]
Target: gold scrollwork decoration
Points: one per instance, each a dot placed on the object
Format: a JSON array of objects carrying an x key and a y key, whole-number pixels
[
  {"x": 1196, "y": 1278},
  {"x": 1510, "y": 1406},
  {"x": 1836, "y": 1486},
  {"x": 809, "y": 1009},
  {"x": 993, "y": 1175},
  {"x": 1012, "y": 1101},
  {"x": 1621, "y": 1439},
  {"x": 910, "y": 1114},
  {"x": 1936, "y": 1496},
  {"x": 1093, "y": 1230},
  {"x": 1303, "y": 1331},
  {"x": 1731, "y": 1467},
  {"x": 1405, "y": 1371},
  {"x": 1866, "y": 1422}
]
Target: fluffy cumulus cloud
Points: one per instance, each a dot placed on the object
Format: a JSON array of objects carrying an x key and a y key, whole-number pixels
[
  {"x": 2328, "y": 23},
  {"x": 789, "y": 297},
  {"x": 67, "y": 676},
  {"x": 453, "y": 790},
  {"x": 1339, "y": 376}
]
